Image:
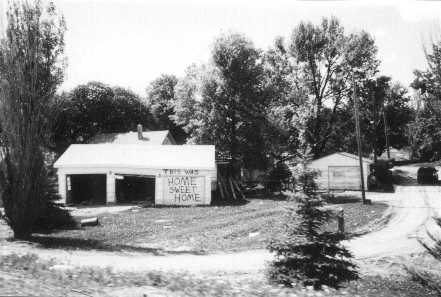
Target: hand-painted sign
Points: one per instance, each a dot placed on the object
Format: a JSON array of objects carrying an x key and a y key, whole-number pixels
[
  {"x": 180, "y": 171},
  {"x": 182, "y": 187}
]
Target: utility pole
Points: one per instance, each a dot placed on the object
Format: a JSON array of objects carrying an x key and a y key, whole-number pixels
[
  {"x": 357, "y": 127},
  {"x": 386, "y": 132},
  {"x": 375, "y": 120}
]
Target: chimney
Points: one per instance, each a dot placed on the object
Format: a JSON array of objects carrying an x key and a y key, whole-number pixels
[{"x": 139, "y": 128}]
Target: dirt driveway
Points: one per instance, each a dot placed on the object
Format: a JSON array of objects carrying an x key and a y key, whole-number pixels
[{"x": 412, "y": 210}]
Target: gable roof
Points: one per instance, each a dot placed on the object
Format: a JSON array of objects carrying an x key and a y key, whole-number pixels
[
  {"x": 138, "y": 156},
  {"x": 347, "y": 155},
  {"x": 149, "y": 137}
]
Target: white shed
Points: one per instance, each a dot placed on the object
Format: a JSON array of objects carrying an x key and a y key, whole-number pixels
[
  {"x": 119, "y": 173},
  {"x": 340, "y": 171}
]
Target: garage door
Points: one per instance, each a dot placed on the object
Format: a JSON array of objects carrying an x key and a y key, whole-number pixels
[
  {"x": 344, "y": 178},
  {"x": 132, "y": 188},
  {"x": 86, "y": 188}
]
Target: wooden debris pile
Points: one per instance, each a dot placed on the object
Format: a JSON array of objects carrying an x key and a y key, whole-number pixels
[{"x": 229, "y": 189}]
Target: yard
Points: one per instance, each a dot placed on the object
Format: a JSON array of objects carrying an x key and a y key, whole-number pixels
[
  {"x": 190, "y": 230},
  {"x": 159, "y": 231},
  {"x": 198, "y": 229}
]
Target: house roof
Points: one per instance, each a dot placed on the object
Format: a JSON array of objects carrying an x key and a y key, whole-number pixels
[
  {"x": 149, "y": 137},
  {"x": 348, "y": 155},
  {"x": 138, "y": 156}
]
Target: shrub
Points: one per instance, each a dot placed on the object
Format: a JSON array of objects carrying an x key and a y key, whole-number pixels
[
  {"x": 277, "y": 176},
  {"x": 306, "y": 254}
]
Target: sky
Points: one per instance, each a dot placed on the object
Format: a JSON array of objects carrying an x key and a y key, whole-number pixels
[{"x": 129, "y": 43}]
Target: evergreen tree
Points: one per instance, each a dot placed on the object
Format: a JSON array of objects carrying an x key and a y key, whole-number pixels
[{"x": 305, "y": 253}]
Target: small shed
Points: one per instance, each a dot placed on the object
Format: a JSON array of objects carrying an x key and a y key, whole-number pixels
[
  {"x": 121, "y": 173},
  {"x": 340, "y": 171}
]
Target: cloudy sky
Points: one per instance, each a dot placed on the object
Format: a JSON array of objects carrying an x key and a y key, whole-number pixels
[{"x": 129, "y": 43}]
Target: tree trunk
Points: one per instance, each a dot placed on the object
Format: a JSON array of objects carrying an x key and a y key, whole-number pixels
[
  {"x": 21, "y": 233},
  {"x": 233, "y": 146}
]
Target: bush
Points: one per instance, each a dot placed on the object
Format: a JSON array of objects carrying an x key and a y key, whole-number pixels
[
  {"x": 278, "y": 175},
  {"x": 306, "y": 254}
]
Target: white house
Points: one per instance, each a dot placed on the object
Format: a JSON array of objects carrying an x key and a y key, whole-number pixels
[
  {"x": 118, "y": 173},
  {"x": 340, "y": 171}
]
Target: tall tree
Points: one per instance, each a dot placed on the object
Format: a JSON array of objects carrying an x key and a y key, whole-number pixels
[
  {"x": 425, "y": 131},
  {"x": 230, "y": 101},
  {"x": 381, "y": 100},
  {"x": 161, "y": 101},
  {"x": 287, "y": 97},
  {"x": 376, "y": 97},
  {"x": 31, "y": 68},
  {"x": 327, "y": 60},
  {"x": 96, "y": 108}
]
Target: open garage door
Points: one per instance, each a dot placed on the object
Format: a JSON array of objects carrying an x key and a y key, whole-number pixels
[
  {"x": 134, "y": 188},
  {"x": 86, "y": 188}
]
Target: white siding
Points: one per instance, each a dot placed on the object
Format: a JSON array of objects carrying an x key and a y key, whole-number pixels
[
  {"x": 209, "y": 175},
  {"x": 337, "y": 159}
]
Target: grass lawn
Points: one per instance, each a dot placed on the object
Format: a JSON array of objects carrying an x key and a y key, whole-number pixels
[
  {"x": 29, "y": 275},
  {"x": 197, "y": 229}
]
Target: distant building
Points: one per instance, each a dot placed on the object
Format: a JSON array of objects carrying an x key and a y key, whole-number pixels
[
  {"x": 397, "y": 154},
  {"x": 340, "y": 171},
  {"x": 161, "y": 137}
]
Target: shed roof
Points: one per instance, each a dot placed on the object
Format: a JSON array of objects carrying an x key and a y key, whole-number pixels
[
  {"x": 347, "y": 155},
  {"x": 138, "y": 156},
  {"x": 149, "y": 137}
]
